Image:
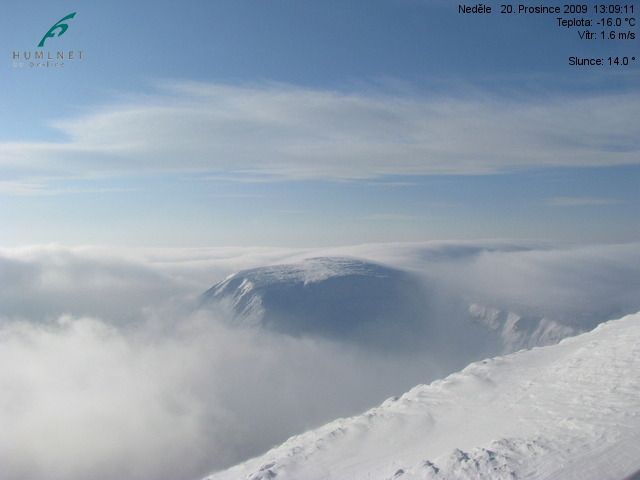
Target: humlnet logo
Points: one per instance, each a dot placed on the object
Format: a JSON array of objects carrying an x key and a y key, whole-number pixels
[
  {"x": 59, "y": 25},
  {"x": 48, "y": 58}
]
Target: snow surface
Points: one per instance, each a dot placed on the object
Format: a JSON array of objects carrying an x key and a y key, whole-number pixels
[{"x": 568, "y": 411}]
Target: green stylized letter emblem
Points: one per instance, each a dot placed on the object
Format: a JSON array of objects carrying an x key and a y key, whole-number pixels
[{"x": 59, "y": 25}]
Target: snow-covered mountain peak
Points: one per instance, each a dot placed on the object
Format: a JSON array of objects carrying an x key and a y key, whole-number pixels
[
  {"x": 336, "y": 297},
  {"x": 371, "y": 304},
  {"x": 310, "y": 270}
]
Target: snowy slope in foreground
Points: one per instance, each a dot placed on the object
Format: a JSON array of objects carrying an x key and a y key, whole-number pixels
[{"x": 568, "y": 411}]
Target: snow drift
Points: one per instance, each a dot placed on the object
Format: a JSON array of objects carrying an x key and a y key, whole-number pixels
[{"x": 569, "y": 411}]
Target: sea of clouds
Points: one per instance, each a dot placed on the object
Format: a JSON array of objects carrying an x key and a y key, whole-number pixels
[{"x": 108, "y": 370}]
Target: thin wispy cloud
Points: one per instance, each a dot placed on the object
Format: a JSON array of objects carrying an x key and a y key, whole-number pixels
[
  {"x": 13, "y": 188},
  {"x": 391, "y": 184},
  {"x": 235, "y": 195},
  {"x": 390, "y": 217},
  {"x": 44, "y": 188},
  {"x": 288, "y": 132},
  {"x": 581, "y": 201}
]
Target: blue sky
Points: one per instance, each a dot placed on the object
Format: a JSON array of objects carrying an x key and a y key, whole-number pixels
[{"x": 306, "y": 123}]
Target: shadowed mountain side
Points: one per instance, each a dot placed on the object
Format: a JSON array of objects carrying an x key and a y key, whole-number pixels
[{"x": 350, "y": 300}]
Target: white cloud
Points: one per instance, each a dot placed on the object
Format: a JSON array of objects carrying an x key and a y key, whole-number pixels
[
  {"x": 84, "y": 399},
  {"x": 578, "y": 286},
  {"x": 44, "y": 188},
  {"x": 282, "y": 131},
  {"x": 581, "y": 201},
  {"x": 390, "y": 217},
  {"x": 20, "y": 188}
]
